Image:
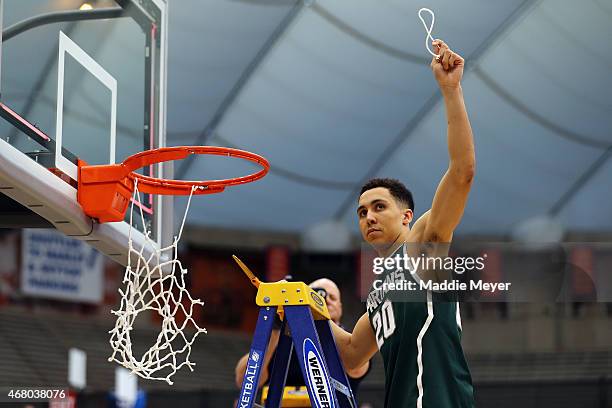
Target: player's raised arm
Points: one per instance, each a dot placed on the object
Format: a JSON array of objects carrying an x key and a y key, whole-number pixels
[
  {"x": 356, "y": 348},
  {"x": 451, "y": 196}
]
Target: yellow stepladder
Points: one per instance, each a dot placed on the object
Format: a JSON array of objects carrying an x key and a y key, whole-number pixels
[{"x": 306, "y": 330}]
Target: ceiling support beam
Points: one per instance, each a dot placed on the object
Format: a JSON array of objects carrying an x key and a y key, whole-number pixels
[
  {"x": 246, "y": 75},
  {"x": 580, "y": 182}
]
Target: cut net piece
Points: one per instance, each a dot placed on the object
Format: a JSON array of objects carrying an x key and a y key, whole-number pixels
[{"x": 155, "y": 284}]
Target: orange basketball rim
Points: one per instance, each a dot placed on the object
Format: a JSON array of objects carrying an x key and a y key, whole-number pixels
[{"x": 104, "y": 191}]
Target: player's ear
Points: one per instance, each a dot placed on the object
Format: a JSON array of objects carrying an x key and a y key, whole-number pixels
[{"x": 407, "y": 217}]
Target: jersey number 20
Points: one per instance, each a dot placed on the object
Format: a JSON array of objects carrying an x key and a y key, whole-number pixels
[{"x": 384, "y": 323}]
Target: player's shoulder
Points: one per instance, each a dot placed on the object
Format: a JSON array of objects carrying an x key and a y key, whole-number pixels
[
  {"x": 419, "y": 233},
  {"x": 421, "y": 222}
]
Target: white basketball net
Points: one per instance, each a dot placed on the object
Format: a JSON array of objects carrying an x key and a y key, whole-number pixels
[{"x": 155, "y": 284}]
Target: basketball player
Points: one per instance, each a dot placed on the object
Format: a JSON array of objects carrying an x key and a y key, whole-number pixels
[{"x": 419, "y": 340}]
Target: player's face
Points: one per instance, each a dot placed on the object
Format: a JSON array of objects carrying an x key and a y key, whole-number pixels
[{"x": 381, "y": 220}]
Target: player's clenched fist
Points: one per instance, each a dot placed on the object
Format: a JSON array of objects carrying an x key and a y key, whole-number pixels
[{"x": 448, "y": 66}]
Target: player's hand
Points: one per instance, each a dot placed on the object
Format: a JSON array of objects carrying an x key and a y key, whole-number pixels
[{"x": 448, "y": 67}]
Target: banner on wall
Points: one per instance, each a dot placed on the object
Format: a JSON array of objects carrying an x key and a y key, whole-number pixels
[{"x": 59, "y": 267}]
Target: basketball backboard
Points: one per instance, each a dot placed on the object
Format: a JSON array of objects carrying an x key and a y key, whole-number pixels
[{"x": 86, "y": 84}]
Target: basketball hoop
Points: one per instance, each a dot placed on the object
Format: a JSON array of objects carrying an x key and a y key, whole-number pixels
[
  {"x": 156, "y": 283},
  {"x": 104, "y": 191}
]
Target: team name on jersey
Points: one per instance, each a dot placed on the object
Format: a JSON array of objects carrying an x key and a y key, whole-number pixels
[{"x": 377, "y": 296}]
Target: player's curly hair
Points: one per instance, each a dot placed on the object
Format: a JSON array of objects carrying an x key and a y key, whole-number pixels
[{"x": 397, "y": 189}]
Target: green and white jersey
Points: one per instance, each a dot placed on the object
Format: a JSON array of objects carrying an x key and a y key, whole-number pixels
[{"x": 420, "y": 342}]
